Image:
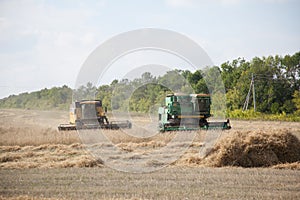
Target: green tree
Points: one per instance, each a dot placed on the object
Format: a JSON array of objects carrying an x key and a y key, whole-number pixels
[{"x": 296, "y": 100}]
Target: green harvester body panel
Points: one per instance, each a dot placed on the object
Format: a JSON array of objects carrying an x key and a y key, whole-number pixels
[{"x": 187, "y": 112}]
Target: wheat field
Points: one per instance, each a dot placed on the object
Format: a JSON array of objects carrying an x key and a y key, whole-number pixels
[{"x": 31, "y": 146}]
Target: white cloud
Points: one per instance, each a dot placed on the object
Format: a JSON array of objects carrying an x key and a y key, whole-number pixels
[
  {"x": 180, "y": 3},
  {"x": 43, "y": 42},
  {"x": 88, "y": 38},
  {"x": 195, "y": 3},
  {"x": 278, "y": 1},
  {"x": 230, "y": 1}
]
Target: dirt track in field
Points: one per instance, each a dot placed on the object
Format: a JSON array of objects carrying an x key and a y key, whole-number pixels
[{"x": 29, "y": 139}]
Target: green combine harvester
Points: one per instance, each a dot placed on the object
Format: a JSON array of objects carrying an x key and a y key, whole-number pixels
[{"x": 183, "y": 112}]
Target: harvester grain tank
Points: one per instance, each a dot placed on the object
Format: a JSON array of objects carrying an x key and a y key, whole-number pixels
[
  {"x": 187, "y": 112},
  {"x": 89, "y": 114}
]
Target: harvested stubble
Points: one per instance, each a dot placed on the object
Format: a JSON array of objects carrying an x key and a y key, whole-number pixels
[
  {"x": 46, "y": 156},
  {"x": 26, "y": 197},
  {"x": 294, "y": 165},
  {"x": 256, "y": 149},
  {"x": 23, "y": 136},
  {"x": 278, "y": 148}
]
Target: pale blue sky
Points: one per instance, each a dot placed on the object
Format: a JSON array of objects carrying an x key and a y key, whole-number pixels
[{"x": 44, "y": 43}]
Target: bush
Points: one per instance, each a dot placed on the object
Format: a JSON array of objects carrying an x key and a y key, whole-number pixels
[{"x": 251, "y": 115}]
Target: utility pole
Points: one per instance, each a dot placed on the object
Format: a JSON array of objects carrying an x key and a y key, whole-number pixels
[
  {"x": 253, "y": 90},
  {"x": 245, "y": 107}
]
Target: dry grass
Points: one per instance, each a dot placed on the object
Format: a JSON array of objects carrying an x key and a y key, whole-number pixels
[
  {"x": 168, "y": 183},
  {"x": 29, "y": 139},
  {"x": 23, "y": 136},
  {"x": 293, "y": 166},
  {"x": 279, "y": 149},
  {"x": 37, "y": 162},
  {"x": 46, "y": 156},
  {"x": 255, "y": 149},
  {"x": 26, "y": 197},
  {"x": 27, "y": 127}
]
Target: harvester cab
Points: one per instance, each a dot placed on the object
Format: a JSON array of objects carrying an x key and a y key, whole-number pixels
[
  {"x": 89, "y": 114},
  {"x": 187, "y": 112}
]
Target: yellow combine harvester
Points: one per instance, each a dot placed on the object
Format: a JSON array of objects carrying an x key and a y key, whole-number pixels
[{"x": 89, "y": 114}]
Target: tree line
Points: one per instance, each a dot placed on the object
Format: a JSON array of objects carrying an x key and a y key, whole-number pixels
[
  {"x": 54, "y": 98},
  {"x": 276, "y": 83}
]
